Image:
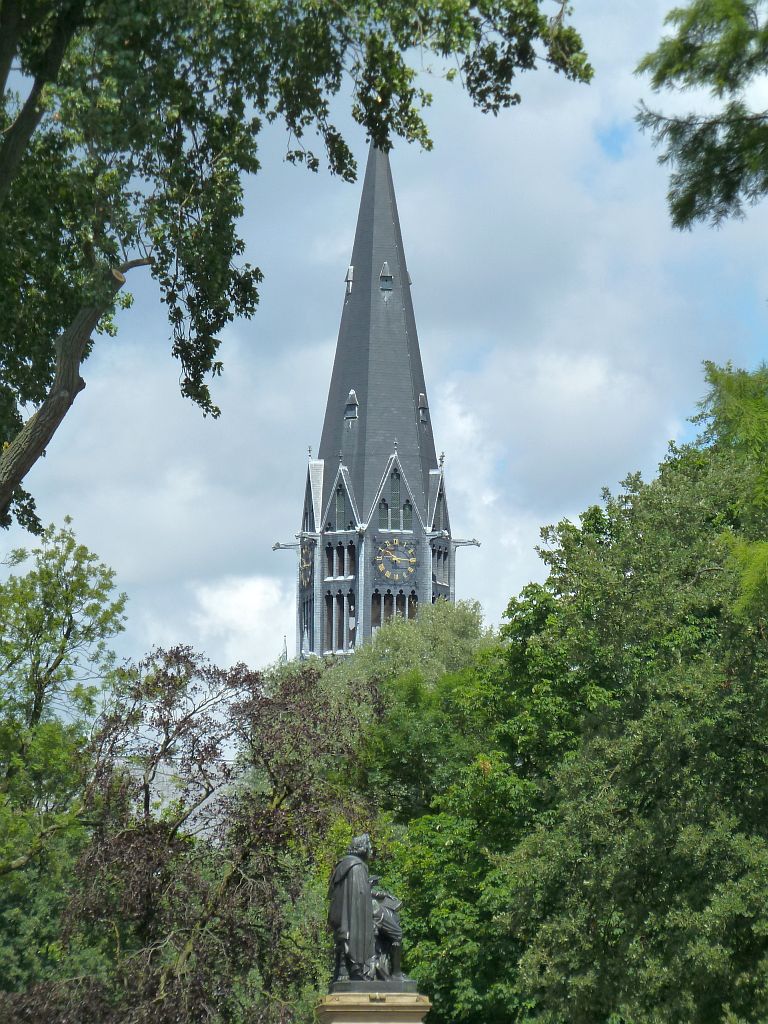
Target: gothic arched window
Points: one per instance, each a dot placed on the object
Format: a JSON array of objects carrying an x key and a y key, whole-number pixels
[
  {"x": 407, "y": 516},
  {"x": 395, "y": 488},
  {"x": 383, "y": 515},
  {"x": 395, "y": 491},
  {"x": 340, "y": 508},
  {"x": 351, "y": 619},
  {"x": 328, "y": 625}
]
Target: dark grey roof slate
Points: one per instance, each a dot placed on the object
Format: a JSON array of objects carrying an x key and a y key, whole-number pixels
[{"x": 377, "y": 356}]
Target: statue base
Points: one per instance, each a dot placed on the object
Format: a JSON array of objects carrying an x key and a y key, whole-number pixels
[
  {"x": 375, "y": 1004},
  {"x": 401, "y": 984}
]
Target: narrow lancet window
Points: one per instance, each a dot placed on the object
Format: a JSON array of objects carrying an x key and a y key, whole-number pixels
[
  {"x": 385, "y": 279},
  {"x": 395, "y": 488},
  {"x": 328, "y": 628},
  {"x": 375, "y": 610},
  {"x": 395, "y": 491},
  {"x": 407, "y": 516},
  {"x": 383, "y": 516},
  {"x": 341, "y": 510},
  {"x": 351, "y": 620},
  {"x": 328, "y": 562},
  {"x": 339, "y": 630}
]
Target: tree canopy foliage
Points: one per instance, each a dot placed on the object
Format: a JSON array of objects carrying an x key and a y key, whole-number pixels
[
  {"x": 127, "y": 128},
  {"x": 573, "y": 809},
  {"x": 166, "y": 828},
  {"x": 719, "y": 157},
  {"x": 586, "y": 841}
]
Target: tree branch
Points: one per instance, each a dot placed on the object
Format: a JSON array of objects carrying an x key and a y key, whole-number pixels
[
  {"x": 38, "y": 843},
  {"x": 18, "y": 135},
  {"x": 29, "y": 444},
  {"x": 10, "y": 22}
]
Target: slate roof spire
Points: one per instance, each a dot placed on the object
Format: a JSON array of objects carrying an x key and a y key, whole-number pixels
[{"x": 377, "y": 358}]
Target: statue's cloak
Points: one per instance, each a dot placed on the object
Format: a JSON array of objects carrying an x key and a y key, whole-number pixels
[{"x": 350, "y": 914}]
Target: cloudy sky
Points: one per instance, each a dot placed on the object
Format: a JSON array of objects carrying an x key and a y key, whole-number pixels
[{"x": 562, "y": 323}]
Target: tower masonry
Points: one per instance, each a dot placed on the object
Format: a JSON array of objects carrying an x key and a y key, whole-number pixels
[{"x": 375, "y": 538}]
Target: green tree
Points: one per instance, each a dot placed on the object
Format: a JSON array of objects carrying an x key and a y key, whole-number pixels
[
  {"x": 636, "y": 630},
  {"x": 719, "y": 157},
  {"x": 127, "y": 128},
  {"x": 641, "y": 895},
  {"x": 736, "y": 410},
  {"x": 637, "y": 896},
  {"x": 200, "y": 891},
  {"x": 55, "y": 624},
  {"x": 444, "y": 638}
]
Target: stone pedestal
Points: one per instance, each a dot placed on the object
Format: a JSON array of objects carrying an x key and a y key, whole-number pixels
[{"x": 372, "y": 1007}]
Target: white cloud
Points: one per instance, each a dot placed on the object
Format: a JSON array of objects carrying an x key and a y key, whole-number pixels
[
  {"x": 230, "y": 619},
  {"x": 246, "y": 618}
]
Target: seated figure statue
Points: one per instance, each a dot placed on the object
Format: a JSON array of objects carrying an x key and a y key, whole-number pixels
[{"x": 388, "y": 933}]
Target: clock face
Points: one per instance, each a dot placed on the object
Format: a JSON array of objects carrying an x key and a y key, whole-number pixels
[
  {"x": 305, "y": 565},
  {"x": 396, "y": 560}
]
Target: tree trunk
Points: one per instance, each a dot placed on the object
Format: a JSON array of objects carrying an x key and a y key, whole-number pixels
[{"x": 25, "y": 449}]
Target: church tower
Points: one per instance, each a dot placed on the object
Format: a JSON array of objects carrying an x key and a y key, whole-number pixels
[{"x": 375, "y": 537}]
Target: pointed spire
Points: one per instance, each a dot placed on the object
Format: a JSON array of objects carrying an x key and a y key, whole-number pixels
[{"x": 377, "y": 355}]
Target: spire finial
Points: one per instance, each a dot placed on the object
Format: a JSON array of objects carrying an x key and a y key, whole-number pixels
[
  {"x": 309, "y": 451},
  {"x": 340, "y": 456},
  {"x": 442, "y": 459},
  {"x": 395, "y": 446}
]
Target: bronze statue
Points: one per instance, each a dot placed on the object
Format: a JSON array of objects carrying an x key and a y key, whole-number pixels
[
  {"x": 388, "y": 933},
  {"x": 364, "y": 918},
  {"x": 350, "y": 915}
]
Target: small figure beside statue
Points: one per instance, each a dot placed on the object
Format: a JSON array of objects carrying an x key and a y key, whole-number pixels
[{"x": 364, "y": 919}]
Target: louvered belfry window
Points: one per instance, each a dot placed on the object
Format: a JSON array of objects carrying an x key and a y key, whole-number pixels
[
  {"x": 395, "y": 484},
  {"x": 340, "y": 508}
]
